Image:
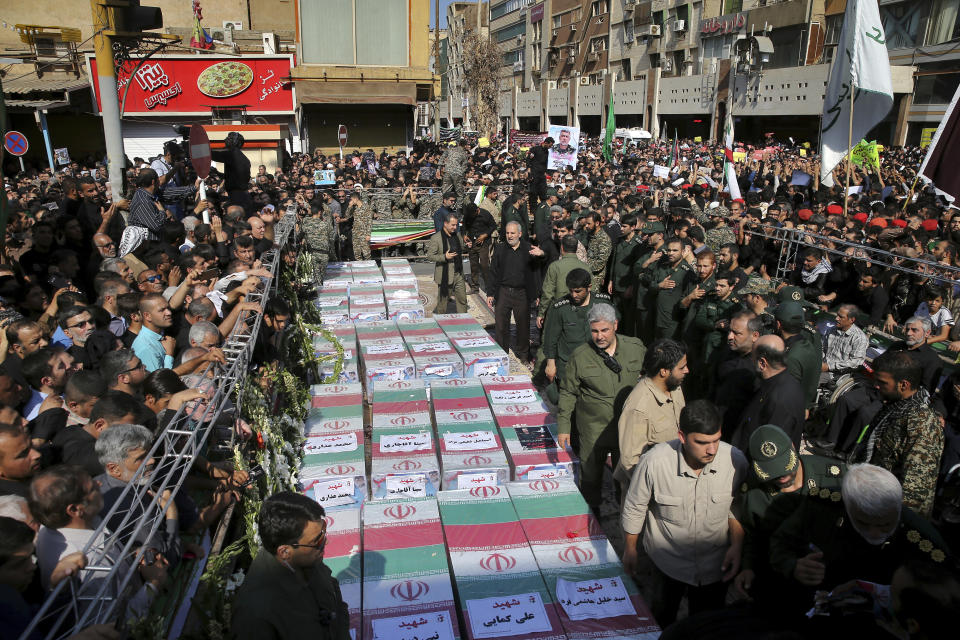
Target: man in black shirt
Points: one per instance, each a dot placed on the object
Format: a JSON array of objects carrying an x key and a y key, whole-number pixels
[
  {"x": 513, "y": 287},
  {"x": 537, "y": 161},
  {"x": 872, "y": 297},
  {"x": 478, "y": 225},
  {"x": 237, "y": 170}
]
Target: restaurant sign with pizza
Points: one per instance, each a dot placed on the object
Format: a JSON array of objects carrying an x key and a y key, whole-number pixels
[{"x": 195, "y": 85}]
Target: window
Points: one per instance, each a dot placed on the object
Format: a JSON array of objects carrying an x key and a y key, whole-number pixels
[
  {"x": 329, "y": 32},
  {"x": 936, "y": 83},
  {"x": 658, "y": 18},
  {"x": 556, "y": 21},
  {"x": 514, "y": 30},
  {"x": 944, "y": 28},
  {"x": 600, "y": 7},
  {"x": 598, "y": 44},
  {"x": 903, "y": 23},
  {"x": 628, "y": 31},
  {"x": 834, "y": 25},
  {"x": 683, "y": 12}
]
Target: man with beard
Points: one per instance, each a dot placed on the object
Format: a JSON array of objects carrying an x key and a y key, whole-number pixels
[
  {"x": 871, "y": 298},
  {"x": 729, "y": 264},
  {"x": 599, "y": 247},
  {"x": 907, "y": 437},
  {"x": 779, "y": 481},
  {"x": 672, "y": 278},
  {"x": 445, "y": 249},
  {"x": 651, "y": 413},
  {"x": 513, "y": 288},
  {"x": 862, "y": 532},
  {"x": 95, "y": 216}
]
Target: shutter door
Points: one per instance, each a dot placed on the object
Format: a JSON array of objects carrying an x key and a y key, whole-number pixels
[{"x": 145, "y": 139}]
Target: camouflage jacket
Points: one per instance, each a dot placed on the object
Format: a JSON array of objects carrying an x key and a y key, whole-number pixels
[
  {"x": 598, "y": 252},
  {"x": 719, "y": 236},
  {"x": 318, "y": 233},
  {"x": 362, "y": 219},
  {"x": 908, "y": 442},
  {"x": 454, "y": 161}
]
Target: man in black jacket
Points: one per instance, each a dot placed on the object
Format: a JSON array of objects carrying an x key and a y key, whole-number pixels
[
  {"x": 237, "y": 170},
  {"x": 537, "y": 161},
  {"x": 513, "y": 287},
  {"x": 478, "y": 225}
]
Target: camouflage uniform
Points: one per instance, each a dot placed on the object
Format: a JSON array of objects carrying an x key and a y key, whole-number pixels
[
  {"x": 382, "y": 203},
  {"x": 454, "y": 163},
  {"x": 404, "y": 209},
  {"x": 719, "y": 236},
  {"x": 908, "y": 442},
  {"x": 598, "y": 253},
  {"x": 362, "y": 225},
  {"x": 319, "y": 236},
  {"x": 428, "y": 204}
]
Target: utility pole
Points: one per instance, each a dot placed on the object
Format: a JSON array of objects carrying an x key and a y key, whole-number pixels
[{"x": 104, "y": 24}]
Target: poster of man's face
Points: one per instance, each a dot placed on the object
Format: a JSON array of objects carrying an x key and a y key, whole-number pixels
[{"x": 563, "y": 154}]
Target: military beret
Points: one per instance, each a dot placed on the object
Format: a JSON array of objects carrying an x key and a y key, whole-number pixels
[
  {"x": 879, "y": 222},
  {"x": 771, "y": 453},
  {"x": 860, "y": 217},
  {"x": 805, "y": 214},
  {"x": 834, "y": 210},
  {"x": 899, "y": 222},
  {"x": 929, "y": 225}
]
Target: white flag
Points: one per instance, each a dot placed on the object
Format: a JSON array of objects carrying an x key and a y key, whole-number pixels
[
  {"x": 730, "y": 167},
  {"x": 861, "y": 65}
]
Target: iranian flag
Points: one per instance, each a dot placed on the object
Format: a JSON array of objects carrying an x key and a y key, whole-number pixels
[{"x": 729, "y": 166}]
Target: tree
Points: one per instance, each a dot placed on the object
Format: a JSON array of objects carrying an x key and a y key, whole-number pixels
[{"x": 482, "y": 60}]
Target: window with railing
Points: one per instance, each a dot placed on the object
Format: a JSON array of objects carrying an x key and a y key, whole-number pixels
[{"x": 599, "y": 7}]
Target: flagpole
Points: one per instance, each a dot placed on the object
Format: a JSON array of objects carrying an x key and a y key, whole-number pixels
[
  {"x": 910, "y": 195},
  {"x": 846, "y": 193}
]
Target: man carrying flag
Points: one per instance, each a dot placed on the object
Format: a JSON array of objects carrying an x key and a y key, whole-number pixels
[
  {"x": 860, "y": 92},
  {"x": 608, "y": 134}
]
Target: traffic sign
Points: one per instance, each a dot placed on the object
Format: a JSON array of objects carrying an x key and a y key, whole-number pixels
[
  {"x": 342, "y": 134},
  {"x": 199, "y": 150},
  {"x": 15, "y": 143}
]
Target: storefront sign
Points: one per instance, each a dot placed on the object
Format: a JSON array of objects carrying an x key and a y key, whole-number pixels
[
  {"x": 193, "y": 85},
  {"x": 722, "y": 25}
]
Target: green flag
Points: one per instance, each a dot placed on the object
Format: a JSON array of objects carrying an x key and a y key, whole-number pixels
[
  {"x": 608, "y": 138},
  {"x": 674, "y": 151}
]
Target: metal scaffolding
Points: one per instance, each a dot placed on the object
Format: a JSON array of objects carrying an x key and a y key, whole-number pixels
[{"x": 114, "y": 552}]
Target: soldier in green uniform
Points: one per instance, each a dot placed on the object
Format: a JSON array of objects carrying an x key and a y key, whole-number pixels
[
  {"x": 652, "y": 234},
  {"x": 318, "y": 235},
  {"x": 718, "y": 233},
  {"x": 566, "y": 327},
  {"x": 554, "y": 282},
  {"x": 405, "y": 207},
  {"x": 599, "y": 376},
  {"x": 804, "y": 353},
  {"x": 515, "y": 210},
  {"x": 362, "y": 226},
  {"x": 671, "y": 279},
  {"x": 381, "y": 203},
  {"x": 754, "y": 297},
  {"x": 780, "y": 481},
  {"x": 862, "y": 532},
  {"x": 454, "y": 162},
  {"x": 599, "y": 247},
  {"x": 541, "y": 217},
  {"x": 711, "y": 319},
  {"x": 622, "y": 284}
]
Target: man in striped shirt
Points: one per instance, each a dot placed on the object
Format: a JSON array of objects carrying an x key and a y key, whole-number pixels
[{"x": 845, "y": 345}]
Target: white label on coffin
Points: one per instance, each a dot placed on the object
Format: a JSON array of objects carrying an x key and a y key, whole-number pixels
[
  {"x": 331, "y": 302},
  {"x": 439, "y": 370},
  {"x": 406, "y": 442},
  {"x": 508, "y": 396},
  {"x": 473, "y": 343},
  {"x": 592, "y": 599},
  {"x": 377, "y": 349},
  {"x": 430, "y": 347},
  {"x": 330, "y": 444},
  {"x": 412, "y": 485},
  {"x": 332, "y": 493},
  {"x": 473, "y": 441},
  {"x": 518, "y": 615},
  {"x": 434, "y": 625},
  {"x": 546, "y": 472},
  {"x": 486, "y": 368},
  {"x": 391, "y": 374},
  {"x": 471, "y": 480}
]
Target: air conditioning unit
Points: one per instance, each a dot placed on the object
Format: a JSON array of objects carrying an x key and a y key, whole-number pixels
[
  {"x": 584, "y": 80},
  {"x": 270, "y": 43},
  {"x": 679, "y": 25},
  {"x": 593, "y": 57},
  {"x": 551, "y": 84},
  {"x": 573, "y": 27},
  {"x": 236, "y": 25},
  {"x": 518, "y": 66},
  {"x": 555, "y": 32},
  {"x": 668, "y": 65},
  {"x": 519, "y": 40},
  {"x": 571, "y": 59},
  {"x": 628, "y": 37},
  {"x": 650, "y": 30}
]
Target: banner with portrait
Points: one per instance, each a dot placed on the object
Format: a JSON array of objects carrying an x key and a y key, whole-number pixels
[{"x": 563, "y": 153}]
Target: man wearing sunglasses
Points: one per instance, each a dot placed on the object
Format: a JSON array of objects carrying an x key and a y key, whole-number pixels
[{"x": 289, "y": 592}]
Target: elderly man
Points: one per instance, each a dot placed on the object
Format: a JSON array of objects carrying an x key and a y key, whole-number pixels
[
  {"x": 651, "y": 413},
  {"x": 599, "y": 376},
  {"x": 907, "y": 437},
  {"x": 289, "y": 592},
  {"x": 445, "y": 248},
  {"x": 862, "y": 532},
  {"x": 513, "y": 288},
  {"x": 779, "y": 399},
  {"x": 845, "y": 345},
  {"x": 681, "y": 500}
]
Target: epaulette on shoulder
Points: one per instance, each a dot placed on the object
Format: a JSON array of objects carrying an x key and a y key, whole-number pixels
[
  {"x": 561, "y": 302},
  {"x": 602, "y": 296}
]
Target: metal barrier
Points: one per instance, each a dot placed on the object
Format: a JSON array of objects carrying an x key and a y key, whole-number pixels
[{"x": 113, "y": 554}]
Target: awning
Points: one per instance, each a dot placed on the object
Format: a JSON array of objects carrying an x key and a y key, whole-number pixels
[
  {"x": 347, "y": 93},
  {"x": 46, "y": 105},
  {"x": 33, "y": 84},
  {"x": 764, "y": 45}
]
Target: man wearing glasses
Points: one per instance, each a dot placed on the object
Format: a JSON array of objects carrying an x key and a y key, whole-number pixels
[
  {"x": 289, "y": 592},
  {"x": 77, "y": 324}
]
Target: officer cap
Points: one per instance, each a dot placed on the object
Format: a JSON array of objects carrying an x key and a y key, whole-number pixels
[
  {"x": 652, "y": 227},
  {"x": 757, "y": 286},
  {"x": 791, "y": 293},
  {"x": 789, "y": 312},
  {"x": 551, "y": 192},
  {"x": 771, "y": 453}
]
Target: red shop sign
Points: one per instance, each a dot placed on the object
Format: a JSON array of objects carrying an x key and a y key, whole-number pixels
[{"x": 190, "y": 85}]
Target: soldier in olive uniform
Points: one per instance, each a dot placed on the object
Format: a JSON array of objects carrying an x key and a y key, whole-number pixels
[
  {"x": 318, "y": 235},
  {"x": 554, "y": 282},
  {"x": 405, "y": 207},
  {"x": 652, "y": 234},
  {"x": 599, "y": 376},
  {"x": 704, "y": 331},
  {"x": 566, "y": 327},
  {"x": 780, "y": 481},
  {"x": 598, "y": 249},
  {"x": 381, "y": 203},
  {"x": 671, "y": 279},
  {"x": 454, "y": 162},
  {"x": 718, "y": 233},
  {"x": 804, "y": 353},
  {"x": 362, "y": 226},
  {"x": 622, "y": 284}
]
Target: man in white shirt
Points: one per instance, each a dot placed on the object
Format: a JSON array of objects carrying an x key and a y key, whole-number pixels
[{"x": 680, "y": 501}]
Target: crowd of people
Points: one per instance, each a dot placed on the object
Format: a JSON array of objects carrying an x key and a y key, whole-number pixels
[{"x": 761, "y": 448}]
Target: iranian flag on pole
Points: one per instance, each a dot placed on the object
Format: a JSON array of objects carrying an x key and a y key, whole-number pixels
[
  {"x": 729, "y": 166},
  {"x": 674, "y": 151}
]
